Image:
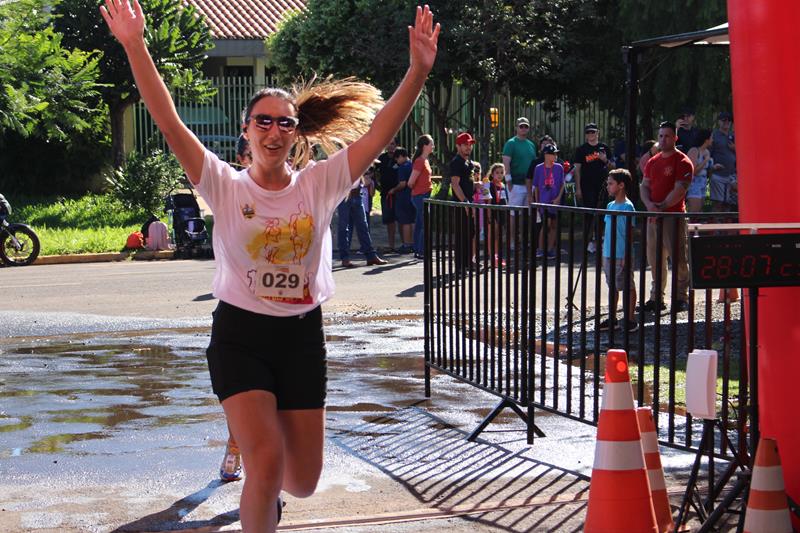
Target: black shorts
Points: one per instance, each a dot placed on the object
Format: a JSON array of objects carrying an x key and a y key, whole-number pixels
[
  {"x": 281, "y": 355},
  {"x": 388, "y": 215}
]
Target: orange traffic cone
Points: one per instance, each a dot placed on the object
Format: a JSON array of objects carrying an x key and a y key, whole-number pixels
[
  {"x": 619, "y": 493},
  {"x": 767, "y": 507},
  {"x": 655, "y": 474}
]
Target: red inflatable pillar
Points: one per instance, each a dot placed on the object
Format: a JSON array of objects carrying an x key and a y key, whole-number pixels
[{"x": 766, "y": 113}]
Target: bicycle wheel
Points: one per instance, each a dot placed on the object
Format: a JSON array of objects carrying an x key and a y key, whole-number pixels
[{"x": 19, "y": 246}]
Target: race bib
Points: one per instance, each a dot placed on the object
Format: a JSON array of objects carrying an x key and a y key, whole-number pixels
[{"x": 280, "y": 281}]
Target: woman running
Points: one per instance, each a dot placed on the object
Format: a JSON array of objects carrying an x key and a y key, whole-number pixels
[{"x": 272, "y": 246}]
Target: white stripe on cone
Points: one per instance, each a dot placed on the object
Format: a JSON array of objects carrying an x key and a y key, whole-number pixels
[
  {"x": 649, "y": 442},
  {"x": 657, "y": 481},
  {"x": 617, "y": 396},
  {"x": 618, "y": 455},
  {"x": 767, "y": 478},
  {"x": 761, "y": 521}
]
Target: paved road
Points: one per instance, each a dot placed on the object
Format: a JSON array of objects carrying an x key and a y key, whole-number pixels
[
  {"x": 182, "y": 289},
  {"x": 107, "y": 422}
]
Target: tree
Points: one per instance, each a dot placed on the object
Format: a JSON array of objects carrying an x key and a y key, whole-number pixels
[
  {"x": 697, "y": 77},
  {"x": 176, "y": 36},
  {"x": 46, "y": 89},
  {"x": 487, "y": 47},
  {"x": 145, "y": 179}
]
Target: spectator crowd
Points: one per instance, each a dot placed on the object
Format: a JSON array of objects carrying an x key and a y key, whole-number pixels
[{"x": 687, "y": 169}]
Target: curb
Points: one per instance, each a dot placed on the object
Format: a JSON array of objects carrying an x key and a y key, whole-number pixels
[{"x": 145, "y": 255}]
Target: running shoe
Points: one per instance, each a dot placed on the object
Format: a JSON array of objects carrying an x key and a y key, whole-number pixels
[{"x": 231, "y": 467}]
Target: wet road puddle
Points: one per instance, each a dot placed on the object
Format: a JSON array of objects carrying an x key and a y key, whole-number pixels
[{"x": 73, "y": 394}]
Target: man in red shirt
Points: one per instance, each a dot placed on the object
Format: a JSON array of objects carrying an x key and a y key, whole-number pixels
[{"x": 667, "y": 176}]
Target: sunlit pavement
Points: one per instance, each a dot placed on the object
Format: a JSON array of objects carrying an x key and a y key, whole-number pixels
[{"x": 108, "y": 423}]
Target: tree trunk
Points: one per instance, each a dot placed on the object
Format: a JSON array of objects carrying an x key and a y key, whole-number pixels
[{"x": 117, "y": 115}]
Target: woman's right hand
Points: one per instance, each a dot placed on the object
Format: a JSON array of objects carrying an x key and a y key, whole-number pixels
[{"x": 125, "y": 22}]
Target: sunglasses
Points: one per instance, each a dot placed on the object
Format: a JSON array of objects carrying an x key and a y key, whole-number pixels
[
  {"x": 285, "y": 124},
  {"x": 523, "y": 126}
]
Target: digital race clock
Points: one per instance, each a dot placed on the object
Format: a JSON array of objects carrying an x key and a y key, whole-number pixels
[{"x": 761, "y": 260}]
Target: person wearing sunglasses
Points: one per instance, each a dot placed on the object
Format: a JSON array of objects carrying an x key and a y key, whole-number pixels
[{"x": 272, "y": 246}]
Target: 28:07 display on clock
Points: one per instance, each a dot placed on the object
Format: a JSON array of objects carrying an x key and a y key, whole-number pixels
[{"x": 720, "y": 261}]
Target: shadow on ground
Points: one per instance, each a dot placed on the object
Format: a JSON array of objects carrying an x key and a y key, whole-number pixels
[{"x": 438, "y": 466}]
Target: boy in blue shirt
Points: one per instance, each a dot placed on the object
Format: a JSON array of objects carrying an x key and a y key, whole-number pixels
[
  {"x": 618, "y": 184},
  {"x": 401, "y": 195}
]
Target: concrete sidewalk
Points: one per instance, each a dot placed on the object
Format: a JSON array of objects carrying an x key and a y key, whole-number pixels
[
  {"x": 108, "y": 422},
  {"x": 120, "y": 432}
]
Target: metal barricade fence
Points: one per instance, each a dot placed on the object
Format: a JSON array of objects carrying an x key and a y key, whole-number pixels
[{"x": 534, "y": 330}]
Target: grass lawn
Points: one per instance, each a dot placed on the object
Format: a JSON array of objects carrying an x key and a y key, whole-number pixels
[
  {"x": 93, "y": 223},
  {"x": 61, "y": 241},
  {"x": 680, "y": 382}
]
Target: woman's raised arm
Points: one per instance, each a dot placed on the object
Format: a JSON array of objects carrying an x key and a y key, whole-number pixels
[
  {"x": 126, "y": 23},
  {"x": 423, "y": 38}
]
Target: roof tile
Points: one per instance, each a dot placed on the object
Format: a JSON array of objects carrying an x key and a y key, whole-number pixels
[{"x": 244, "y": 19}]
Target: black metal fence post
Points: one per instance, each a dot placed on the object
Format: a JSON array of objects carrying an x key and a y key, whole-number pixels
[{"x": 493, "y": 321}]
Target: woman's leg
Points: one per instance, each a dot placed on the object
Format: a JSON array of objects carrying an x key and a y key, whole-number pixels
[
  {"x": 303, "y": 439},
  {"x": 253, "y": 418}
]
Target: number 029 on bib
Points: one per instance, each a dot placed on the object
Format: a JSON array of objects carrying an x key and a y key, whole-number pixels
[{"x": 280, "y": 281}]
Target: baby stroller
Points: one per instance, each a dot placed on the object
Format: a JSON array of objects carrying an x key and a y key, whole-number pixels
[{"x": 188, "y": 228}]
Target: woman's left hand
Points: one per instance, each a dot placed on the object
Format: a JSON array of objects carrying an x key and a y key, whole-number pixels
[{"x": 423, "y": 38}]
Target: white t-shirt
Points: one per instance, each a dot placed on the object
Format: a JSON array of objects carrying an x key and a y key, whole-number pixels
[{"x": 256, "y": 229}]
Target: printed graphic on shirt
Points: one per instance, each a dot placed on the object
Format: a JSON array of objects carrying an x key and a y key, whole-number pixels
[
  {"x": 248, "y": 211},
  {"x": 284, "y": 242},
  {"x": 594, "y": 156}
]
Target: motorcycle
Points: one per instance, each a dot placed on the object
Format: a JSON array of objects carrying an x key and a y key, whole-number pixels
[{"x": 19, "y": 245}]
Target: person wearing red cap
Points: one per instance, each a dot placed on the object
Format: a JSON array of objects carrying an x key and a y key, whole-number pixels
[{"x": 461, "y": 184}]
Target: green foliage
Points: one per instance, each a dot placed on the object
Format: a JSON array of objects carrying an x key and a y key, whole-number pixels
[
  {"x": 31, "y": 165},
  {"x": 82, "y": 241},
  {"x": 539, "y": 50},
  {"x": 177, "y": 38},
  {"x": 698, "y": 77},
  {"x": 92, "y": 223},
  {"x": 145, "y": 179},
  {"x": 91, "y": 211},
  {"x": 46, "y": 88},
  {"x": 489, "y": 46}
]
